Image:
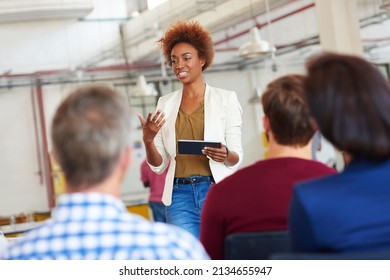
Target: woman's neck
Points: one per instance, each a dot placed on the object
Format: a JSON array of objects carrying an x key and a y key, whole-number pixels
[
  {"x": 276, "y": 150},
  {"x": 194, "y": 90}
]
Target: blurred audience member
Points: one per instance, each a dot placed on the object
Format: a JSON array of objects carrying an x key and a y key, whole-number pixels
[
  {"x": 155, "y": 182},
  {"x": 256, "y": 198},
  {"x": 91, "y": 142},
  {"x": 349, "y": 212}
]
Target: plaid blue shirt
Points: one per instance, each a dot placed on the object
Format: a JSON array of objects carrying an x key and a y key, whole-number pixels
[{"x": 97, "y": 226}]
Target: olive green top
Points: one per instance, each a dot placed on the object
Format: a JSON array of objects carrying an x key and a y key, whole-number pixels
[{"x": 191, "y": 127}]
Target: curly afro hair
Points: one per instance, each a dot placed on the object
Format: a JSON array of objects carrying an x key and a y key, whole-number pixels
[{"x": 190, "y": 32}]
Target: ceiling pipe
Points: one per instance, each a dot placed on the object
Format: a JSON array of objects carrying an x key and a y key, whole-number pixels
[
  {"x": 120, "y": 67},
  {"x": 301, "y": 43},
  {"x": 261, "y": 25},
  {"x": 145, "y": 65},
  {"x": 155, "y": 65},
  {"x": 282, "y": 49}
]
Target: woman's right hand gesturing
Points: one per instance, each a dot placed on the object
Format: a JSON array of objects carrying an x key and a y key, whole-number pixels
[{"x": 152, "y": 125}]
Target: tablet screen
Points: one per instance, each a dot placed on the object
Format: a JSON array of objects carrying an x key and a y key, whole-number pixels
[{"x": 195, "y": 147}]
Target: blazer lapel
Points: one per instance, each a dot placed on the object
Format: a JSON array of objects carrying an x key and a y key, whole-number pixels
[
  {"x": 171, "y": 110},
  {"x": 207, "y": 133}
]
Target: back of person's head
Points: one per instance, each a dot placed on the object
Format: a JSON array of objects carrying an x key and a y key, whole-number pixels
[
  {"x": 350, "y": 101},
  {"x": 90, "y": 132},
  {"x": 285, "y": 107}
]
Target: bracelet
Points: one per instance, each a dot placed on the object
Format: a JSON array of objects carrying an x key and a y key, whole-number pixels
[{"x": 227, "y": 152}]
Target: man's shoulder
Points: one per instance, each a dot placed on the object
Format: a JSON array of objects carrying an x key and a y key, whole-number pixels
[
  {"x": 175, "y": 242},
  {"x": 252, "y": 172},
  {"x": 130, "y": 237},
  {"x": 319, "y": 167},
  {"x": 269, "y": 169},
  {"x": 322, "y": 186}
]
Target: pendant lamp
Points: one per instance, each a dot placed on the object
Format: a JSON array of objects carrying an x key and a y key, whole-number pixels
[
  {"x": 141, "y": 87},
  {"x": 256, "y": 47}
]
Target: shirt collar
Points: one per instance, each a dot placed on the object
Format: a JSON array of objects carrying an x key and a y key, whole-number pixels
[{"x": 91, "y": 206}]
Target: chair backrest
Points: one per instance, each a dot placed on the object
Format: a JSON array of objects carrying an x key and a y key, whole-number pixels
[
  {"x": 256, "y": 245},
  {"x": 373, "y": 255}
]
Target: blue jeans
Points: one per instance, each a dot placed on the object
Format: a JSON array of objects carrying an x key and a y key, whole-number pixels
[
  {"x": 187, "y": 202},
  {"x": 158, "y": 211}
]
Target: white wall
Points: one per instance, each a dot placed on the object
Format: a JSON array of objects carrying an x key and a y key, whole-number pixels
[
  {"x": 21, "y": 188},
  {"x": 62, "y": 44},
  {"x": 28, "y": 47}
]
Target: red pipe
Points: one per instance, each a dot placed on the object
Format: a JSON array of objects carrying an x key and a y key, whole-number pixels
[
  {"x": 302, "y": 43},
  {"x": 134, "y": 66},
  {"x": 45, "y": 150},
  {"x": 119, "y": 67},
  {"x": 34, "y": 74}
]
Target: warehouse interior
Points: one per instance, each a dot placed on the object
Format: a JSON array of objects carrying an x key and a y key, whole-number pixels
[{"x": 49, "y": 47}]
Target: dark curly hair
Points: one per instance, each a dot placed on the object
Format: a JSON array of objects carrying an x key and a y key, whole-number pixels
[{"x": 191, "y": 32}]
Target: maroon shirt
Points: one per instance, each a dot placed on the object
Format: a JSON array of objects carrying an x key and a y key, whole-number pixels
[{"x": 255, "y": 198}]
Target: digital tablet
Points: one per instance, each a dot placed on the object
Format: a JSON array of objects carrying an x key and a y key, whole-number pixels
[{"x": 195, "y": 147}]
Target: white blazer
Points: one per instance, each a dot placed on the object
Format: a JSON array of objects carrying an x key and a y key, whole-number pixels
[{"x": 222, "y": 122}]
